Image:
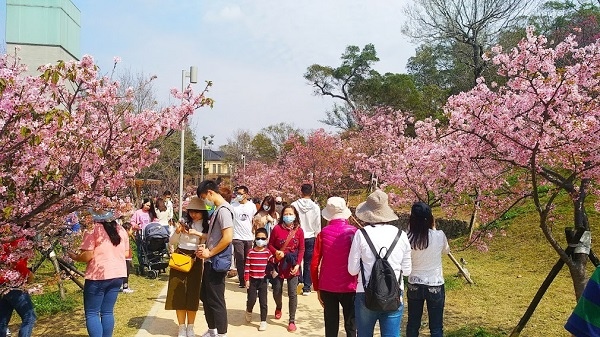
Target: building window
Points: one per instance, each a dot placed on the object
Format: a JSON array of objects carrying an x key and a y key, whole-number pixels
[
  {"x": 219, "y": 169},
  {"x": 214, "y": 170}
]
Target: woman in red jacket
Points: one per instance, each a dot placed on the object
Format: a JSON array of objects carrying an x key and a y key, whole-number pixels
[
  {"x": 329, "y": 268},
  {"x": 16, "y": 298},
  {"x": 287, "y": 245}
]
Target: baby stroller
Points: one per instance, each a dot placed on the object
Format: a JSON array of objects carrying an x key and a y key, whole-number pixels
[{"x": 154, "y": 252}]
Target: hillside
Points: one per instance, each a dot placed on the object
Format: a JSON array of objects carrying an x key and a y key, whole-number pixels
[{"x": 507, "y": 277}]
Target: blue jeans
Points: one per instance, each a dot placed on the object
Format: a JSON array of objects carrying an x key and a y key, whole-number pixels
[
  {"x": 309, "y": 248},
  {"x": 435, "y": 296},
  {"x": 20, "y": 301},
  {"x": 99, "y": 297},
  {"x": 389, "y": 322}
]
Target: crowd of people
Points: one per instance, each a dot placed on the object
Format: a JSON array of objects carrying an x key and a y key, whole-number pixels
[
  {"x": 269, "y": 242},
  {"x": 275, "y": 243}
]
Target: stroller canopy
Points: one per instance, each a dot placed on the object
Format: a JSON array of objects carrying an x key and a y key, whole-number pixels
[{"x": 155, "y": 230}]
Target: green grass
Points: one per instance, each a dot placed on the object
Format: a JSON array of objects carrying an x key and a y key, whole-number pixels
[
  {"x": 50, "y": 303},
  {"x": 473, "y": 332}
]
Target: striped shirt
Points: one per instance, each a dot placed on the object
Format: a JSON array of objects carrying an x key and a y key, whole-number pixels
[
  {"x": 256, "y": 264},
  {"x": 585, "y": 320}
]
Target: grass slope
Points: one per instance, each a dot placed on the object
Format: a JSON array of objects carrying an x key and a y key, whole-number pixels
[{"x": 507, "y": 277}]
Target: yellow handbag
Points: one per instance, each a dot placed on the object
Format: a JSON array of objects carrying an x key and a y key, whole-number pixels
[{"x": 181, "y": 262}]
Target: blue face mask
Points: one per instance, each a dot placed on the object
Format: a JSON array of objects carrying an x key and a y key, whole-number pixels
[{"x": 288, "y": 219}]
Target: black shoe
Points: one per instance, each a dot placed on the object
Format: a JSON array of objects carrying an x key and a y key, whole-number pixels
[{"x": 241, "y": 286}]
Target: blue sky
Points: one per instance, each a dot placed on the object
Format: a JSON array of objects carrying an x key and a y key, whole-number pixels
[{"x": 255, "y": 51}]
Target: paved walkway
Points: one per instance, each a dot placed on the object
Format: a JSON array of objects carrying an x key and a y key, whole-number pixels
[{"x": 309, "y": 317}]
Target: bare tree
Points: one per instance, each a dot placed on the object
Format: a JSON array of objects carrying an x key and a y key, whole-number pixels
[
  {"x": 474, "y": 24},
  {"x": 144, "y": 93}
]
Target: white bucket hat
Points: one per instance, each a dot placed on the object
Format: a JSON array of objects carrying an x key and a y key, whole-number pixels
[
  {"x": 376, "y": 209},
  {"x": 336, "y": 209}
]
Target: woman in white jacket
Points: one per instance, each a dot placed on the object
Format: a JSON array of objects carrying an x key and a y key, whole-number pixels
[
  {"x": 426, "y": 282},
  {"x": 377, "y": 214}
]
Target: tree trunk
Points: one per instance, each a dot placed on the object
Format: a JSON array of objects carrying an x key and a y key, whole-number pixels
[
  {"x": 61, "y": 287},
  {"x": 578, "y": 273}
]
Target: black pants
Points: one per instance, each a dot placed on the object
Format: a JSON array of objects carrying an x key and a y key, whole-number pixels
[
  {"x": 292, "y": 285},
  {"x": 212, "y": 295},
  {"x": 240, "y": 251},
  {"x": 258, "y": 286},
  {"x": 129, "y": 266},
  {"x": 331, "y": 313}
]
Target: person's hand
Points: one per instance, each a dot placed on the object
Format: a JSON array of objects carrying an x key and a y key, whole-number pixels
[
  {"x": 320, "y": 300},
  {"x": 279, "y": 255},
  {"x": 203, "y": 253},
  {"x": 72, "y": 255},
  {"x": 295, "y": 270},
  {"x": 247, "y": 284},
  {"x": 192, "y": 231},
  {"x": 180, "y": 228}
]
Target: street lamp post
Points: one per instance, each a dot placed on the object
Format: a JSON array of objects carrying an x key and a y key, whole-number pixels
[
  {"x": 205, "y": 140},
  {"x": 193, "y": 76}
]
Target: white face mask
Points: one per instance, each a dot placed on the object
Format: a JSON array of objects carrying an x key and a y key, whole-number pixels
[
  {"x": 260, "y": 242},
  {"x": 266, "y": 208}
]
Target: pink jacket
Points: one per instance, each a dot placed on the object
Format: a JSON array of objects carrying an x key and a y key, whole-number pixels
[{"x": 331, "y": 254}]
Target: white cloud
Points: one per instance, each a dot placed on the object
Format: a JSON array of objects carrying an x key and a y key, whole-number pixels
[
  {"x": 255, "y": 51},
  {"x": 226, "y": 13}
]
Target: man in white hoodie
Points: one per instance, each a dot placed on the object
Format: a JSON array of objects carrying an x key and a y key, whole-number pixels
[{"x": 310, "y": 220}]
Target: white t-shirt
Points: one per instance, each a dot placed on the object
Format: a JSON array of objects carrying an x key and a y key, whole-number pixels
[
  {"x": 187, "y": 241},
  {"x": 381, "y": 236},
  {"x": 242, "y": 226},
  {"x": 427, "y": 263}
]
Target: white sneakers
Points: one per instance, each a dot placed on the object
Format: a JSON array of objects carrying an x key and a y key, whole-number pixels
[
  {"x": 187, "y": 331},
  {"x": 190, "y": 331},
  {"x": 210, "y": 333},
  {"x": 182, "y": 331},
  {"x": 262, "y": 326}
]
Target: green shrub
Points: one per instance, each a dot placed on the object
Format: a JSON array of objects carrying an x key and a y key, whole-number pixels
[{"x": 51, "y": 303}]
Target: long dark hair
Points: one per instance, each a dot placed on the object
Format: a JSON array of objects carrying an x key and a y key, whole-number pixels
[
  {"x": 296, "y": 221},
  {"x": 419, "y": 223},
  {"x": 270, "y": 201},
  {"x": 188, "y": 219},
  {"x": 112, "y": 231},
  {"x": 151, "y": 211}
]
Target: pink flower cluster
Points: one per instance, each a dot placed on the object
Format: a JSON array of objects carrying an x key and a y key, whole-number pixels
[{"x": 69, "y": 140}]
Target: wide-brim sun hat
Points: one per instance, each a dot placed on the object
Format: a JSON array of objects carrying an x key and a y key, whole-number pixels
[
  {"x": 336, "y": 209},
  {"x": 376, "y": 209},
  {"x": 196, "y": 204},
  {"x": 102, "y": 215}
]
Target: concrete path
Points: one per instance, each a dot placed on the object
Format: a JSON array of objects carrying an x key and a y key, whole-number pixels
[{"x": 309, "y": 317}]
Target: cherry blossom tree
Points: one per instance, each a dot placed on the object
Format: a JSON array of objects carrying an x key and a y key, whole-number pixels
[
  {"x": 535, "y": 137},
  {"x": 542, "y": 126},
  {"x": 261, "y": 178},
  {"x": 320, "y": 159},
  {"x": 69, "y": 141}
]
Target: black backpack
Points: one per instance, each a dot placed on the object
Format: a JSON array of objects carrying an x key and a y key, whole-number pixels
[{"x": 383, "y": 292}]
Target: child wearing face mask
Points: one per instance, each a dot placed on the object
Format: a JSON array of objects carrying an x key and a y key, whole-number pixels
[{"x": 255, "y": 277}]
